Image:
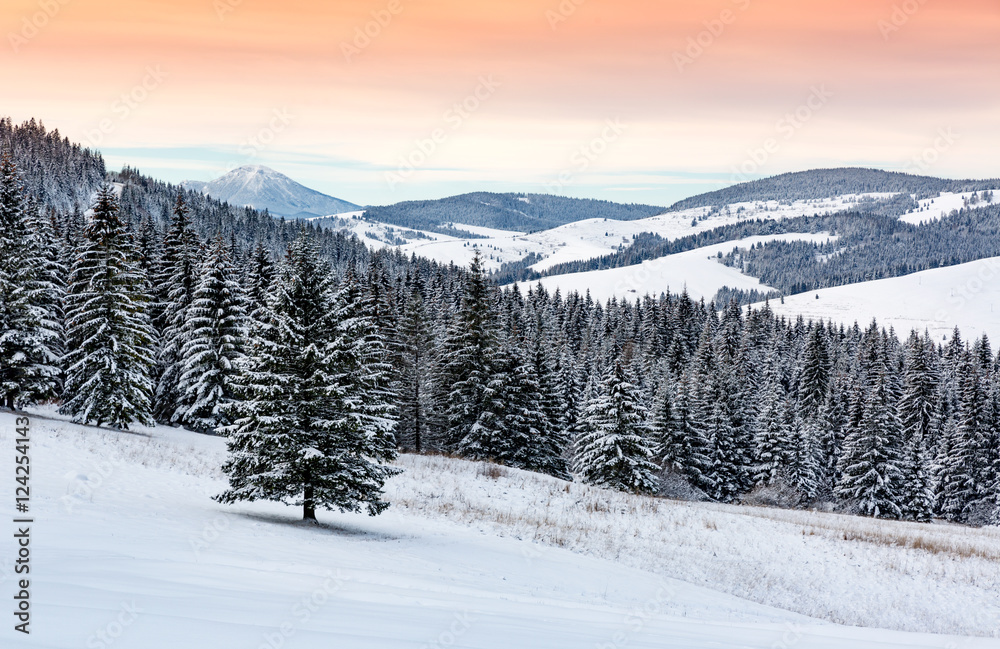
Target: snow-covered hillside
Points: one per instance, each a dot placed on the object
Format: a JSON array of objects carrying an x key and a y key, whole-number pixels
[
  {"x": 591, "y": 238},
  {"x": 966, "y": 296},
  {"x": 933, "y": 209},
  {"x": 699, "y": 271},
  {"x": 130, "y": 551},
  {"x": 264, "y": 188},
  {"x": 376, "y": 235}
]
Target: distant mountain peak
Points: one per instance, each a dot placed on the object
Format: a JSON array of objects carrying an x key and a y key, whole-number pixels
[{"x": 262, "y": 188}]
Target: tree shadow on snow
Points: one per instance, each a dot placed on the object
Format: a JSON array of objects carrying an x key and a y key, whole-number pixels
[{"x": 339, "y": 529}]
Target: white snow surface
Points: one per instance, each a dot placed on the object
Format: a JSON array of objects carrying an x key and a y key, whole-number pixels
[
  {"x": 129, "y": 550},
  {"x": 699, "y": 271},
  {"x": 938, "y": 300}
]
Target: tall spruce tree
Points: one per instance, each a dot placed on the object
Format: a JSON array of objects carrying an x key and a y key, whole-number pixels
[
  {"x": 109, "y": 332},
  {"x": 416, "y": 365},
  {"x": 871, "y": 478},
  {"x": 917, "y": 410},
  {"x": 29, "y": 327},
  {"x": 214, "y": 344},
  {"x": 468, "y": 351},
  {"x": 965, "y": 486},
  {"x": 177, "y": 282},
  {"x": 314, "y": 424},
  {"x": 614, "y": 449}
]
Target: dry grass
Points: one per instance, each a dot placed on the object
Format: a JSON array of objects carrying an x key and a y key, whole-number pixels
[{"x": 928, "y": 578}]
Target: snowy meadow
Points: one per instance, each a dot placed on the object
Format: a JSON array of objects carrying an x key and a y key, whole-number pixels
[{"x": 100, "y": 490}]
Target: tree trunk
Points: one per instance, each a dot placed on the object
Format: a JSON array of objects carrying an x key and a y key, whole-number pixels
[
  {"x": 416, "y": 415},
  {"x": 308, "y": 506}
]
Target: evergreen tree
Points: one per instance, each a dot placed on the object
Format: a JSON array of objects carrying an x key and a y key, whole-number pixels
[
  {"x": 539, "y": 443},
  {"x": 259, "y": 275},
  {"x": 469, "y": 348},
  {"x": 871, "y": 476},
  {"x": 614, "y": 450},
  {"x": 314, "y": 426},
  {"x": 215, "y": 341},
  {"x": 965, "y": 485},
  {"x": 815, "y": 379},
  {"x": 773, "y": 441},
  {"x": 916, "y": 410},
  {"x": 417, "y": 362},
  {"x": 110, "y": 336},
  {"x": 29, "y": 327},
  {"x": 178, "y": 280},
  {"x": 490, "y": 437},
  {"x": 831, "y": 438}
]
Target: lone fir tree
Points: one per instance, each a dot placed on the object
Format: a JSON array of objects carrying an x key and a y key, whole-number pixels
[{"x": 314, "y": 425}]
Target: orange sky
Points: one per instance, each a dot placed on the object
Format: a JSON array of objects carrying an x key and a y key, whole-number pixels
[{"x": 210, "y": 84}]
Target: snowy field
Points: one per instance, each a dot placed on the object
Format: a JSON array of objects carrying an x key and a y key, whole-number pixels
[
  {"x": 966, "y": 295},
  {"x": 699, "y": 271},
  {"x": 129, "y": 551}
]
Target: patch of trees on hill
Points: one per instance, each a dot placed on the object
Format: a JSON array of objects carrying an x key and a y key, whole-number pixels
[
  {"x": 827, "y": 183},
  {"x": 518, "y": 212}
]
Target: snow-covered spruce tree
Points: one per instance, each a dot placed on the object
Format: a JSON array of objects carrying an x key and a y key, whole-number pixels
[
  {"x": 367, "y": 409},
  {"x": 416, "y": 363},
  {"x": 538, "y": 442},
  {"x": 684, "y": 449},
  {"x": 110, "y": 337},
  {"x": 214, "y": 343},
  {"x": 917, "y": 411},
  {"x": 539, "y": 402},
  {"x": 831, "y": 439},
  {"x": 773, "y": 442},
  {"x": 176, "y": 284},
  {"x": 313, "y": 426},
  {"x": 468, "y": 350},
  {"x": 814, "y": 383},
  {"x": 50, "y": 284},
  {"x": 871, "y": 478},
  {"x": 29, "y": 325},
  {"x": 258, "y": 277},
  {"x": 490, "y": 437},
  {"x": 803, "y": 471},
  {"x": 716, "y": 404},
  {"x": 965, "y": 486},
  {"x": 614, "y": 449}
]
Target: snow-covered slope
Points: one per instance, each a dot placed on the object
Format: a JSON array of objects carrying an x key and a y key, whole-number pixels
[
  {"x": 374, "y": 234},
  {"x": 933, "y": 209},
  {"x": 591, "y": 238},
  {"x": 966, "y": 296},
  {"x": 699, "y": 271},
  {"x": 129, "y": 551},
  {"x": 264, "y": 188}
]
